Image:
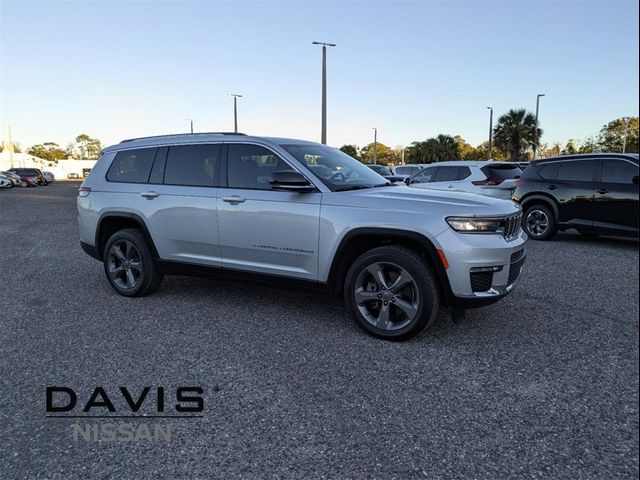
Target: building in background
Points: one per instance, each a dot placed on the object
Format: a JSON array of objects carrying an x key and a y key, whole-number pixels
[{"x": 60, "y": 169}]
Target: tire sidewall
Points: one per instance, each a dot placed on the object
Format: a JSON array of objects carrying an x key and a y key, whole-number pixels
[
  {"x": 427, "y": 309},
  {"x": 146, "y": 258}
]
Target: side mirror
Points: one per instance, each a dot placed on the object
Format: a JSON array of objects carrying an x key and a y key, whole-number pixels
[
  {"x": 290, "y": 181},
  {"x": 407, "y": 180}
]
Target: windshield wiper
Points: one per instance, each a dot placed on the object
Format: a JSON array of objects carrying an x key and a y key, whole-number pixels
[
  {"x": 386, "y": 184},
  {"x": 352, "y": 187}
]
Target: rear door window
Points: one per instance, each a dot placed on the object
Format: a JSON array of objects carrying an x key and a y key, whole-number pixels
[
  {"x": 132, "y": 166},
  {"x": 618, "y": 171},
  {"x": 193, "y": 165},
  {"x": 577, "y": 171}
]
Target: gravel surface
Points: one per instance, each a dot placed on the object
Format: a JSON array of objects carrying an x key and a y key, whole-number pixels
[{"x": 541, "y": 385}]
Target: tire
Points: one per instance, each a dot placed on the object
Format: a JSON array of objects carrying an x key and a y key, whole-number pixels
[
  {"x": 539, "y": 222},
  {"x": 386, "y": 312},
  {"x": 129, "y": 264}
]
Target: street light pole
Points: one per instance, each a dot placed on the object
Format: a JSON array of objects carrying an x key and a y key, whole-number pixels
[
  {"x": 490, "y": 131},
  {"x": 535, "y": 144},
  {"x": 626, "y": 129},
  {"x": 375, "y": 145},
  {"x": 191, "y": 122},
  {"x": 323, "y": 131},
  {"x": 235, "y": 110}
]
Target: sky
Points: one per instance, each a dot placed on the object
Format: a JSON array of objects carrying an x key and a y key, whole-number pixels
[{"x": 412, "y": 69}]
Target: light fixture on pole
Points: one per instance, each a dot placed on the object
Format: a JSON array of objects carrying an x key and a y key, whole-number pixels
[
  {"x": 535, "y": 133},
  {"x": 323, "y": 131},
  {"x": 235, "y": 110},
  {"x": 626, "y": 129},
  {"x": 490, "y": 131},
  {"x": 375, "y": 145}
]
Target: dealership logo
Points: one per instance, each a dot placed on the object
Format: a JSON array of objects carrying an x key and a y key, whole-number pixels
[{"x": 141, "y": 405}]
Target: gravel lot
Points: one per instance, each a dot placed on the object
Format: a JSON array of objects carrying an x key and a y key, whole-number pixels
[{"x": 541, "y": 385}]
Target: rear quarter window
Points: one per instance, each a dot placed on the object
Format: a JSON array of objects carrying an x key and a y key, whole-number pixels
[{"x": 132, "y": 166}]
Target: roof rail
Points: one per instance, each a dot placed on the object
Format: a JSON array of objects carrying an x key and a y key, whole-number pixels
[{"x": 181, "y": 135}]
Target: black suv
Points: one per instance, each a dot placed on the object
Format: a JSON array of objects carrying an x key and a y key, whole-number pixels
[{"x": 593, "y": 193}]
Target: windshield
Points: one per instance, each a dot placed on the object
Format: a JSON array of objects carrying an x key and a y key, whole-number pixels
[{"x": 337, "y": 170}]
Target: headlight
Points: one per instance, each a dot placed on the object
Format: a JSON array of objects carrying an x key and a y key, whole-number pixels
[{"x": 462, "y": 224}]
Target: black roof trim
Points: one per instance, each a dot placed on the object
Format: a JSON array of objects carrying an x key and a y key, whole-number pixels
[
  {"x": 575, "y": 156},
  {"x": 182, "y": 135}
]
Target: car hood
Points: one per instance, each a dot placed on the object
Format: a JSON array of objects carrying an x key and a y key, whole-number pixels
[{"x": 406, "y": 199}]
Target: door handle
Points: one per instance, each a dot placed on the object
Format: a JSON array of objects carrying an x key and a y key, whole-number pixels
[
  {"x": 233, "y": 199},
  {"x": 450, "y": 186},
  {"x": 602, "y": 191},
  {"x": 150, "y": 195},
  {"x": 552, "y": 187}
]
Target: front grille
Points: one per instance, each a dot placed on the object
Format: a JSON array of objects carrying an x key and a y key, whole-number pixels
[
  {"x": 511, "y": 226},
  {"x": 481, "y": 281}
]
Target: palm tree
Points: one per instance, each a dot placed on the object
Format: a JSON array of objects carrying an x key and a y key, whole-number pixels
[{"x": 515, "y": 133}]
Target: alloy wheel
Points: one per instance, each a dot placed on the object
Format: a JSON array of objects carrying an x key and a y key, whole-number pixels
[
  {"x": 387, "y": 296},
  {"x": 124, "y": 265},
  {"x": 537, "y": 222}
]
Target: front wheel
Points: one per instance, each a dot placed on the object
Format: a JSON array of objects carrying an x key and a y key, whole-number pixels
[
  {"x": 540, "y": 223},
  {"x": 129, "y": 264},
  {"x": 391, "y": 293}
]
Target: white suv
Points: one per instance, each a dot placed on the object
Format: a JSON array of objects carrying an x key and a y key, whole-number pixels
[
  {"x": 496, "y": 179},
  {"x": 299, "y": 212}
]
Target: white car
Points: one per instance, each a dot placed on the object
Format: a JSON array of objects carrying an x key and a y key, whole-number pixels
[
  {"x": 49, "y": 177},
  {"x": 489, "y": 177},
  {"x": 5, "y": 182}
]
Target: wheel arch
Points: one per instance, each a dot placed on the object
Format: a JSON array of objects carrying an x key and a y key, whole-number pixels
[
  {"x": 544, "y": 200},
  {"x": 111, "y": 222},
  {"x": 359, "y": 240}
]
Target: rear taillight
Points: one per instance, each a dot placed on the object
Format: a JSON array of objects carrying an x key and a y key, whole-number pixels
[
  {"x": 488, "y": 181},
  {"x": 84, "y": 191},
  {"x": 518, "y": 183}
]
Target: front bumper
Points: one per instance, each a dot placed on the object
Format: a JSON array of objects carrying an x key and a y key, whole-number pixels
[{"x": 467, "y": 253}]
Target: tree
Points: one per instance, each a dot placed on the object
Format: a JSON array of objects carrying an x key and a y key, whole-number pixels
[
  {"x": 438, "y": 149},
  {"x": 49, "y": 151},
  {"x": 86, "y": 147},
  {"x": 385, "y": 154},
  {"x": 570, "y": 147},
  {"x": 611, "y": 136},
  {"x": 515, "y": 133},
  {"x": 350, "y": 150},
  {"x": 16, "y": 147}
]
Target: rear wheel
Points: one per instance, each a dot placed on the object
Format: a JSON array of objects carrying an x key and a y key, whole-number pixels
[
  {"x": 391, "y": 293},
  {"x": 129, "y": 264},
  {"x": 540, "y": 223}
]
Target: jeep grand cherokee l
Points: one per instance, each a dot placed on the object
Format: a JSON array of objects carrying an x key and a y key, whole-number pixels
[{"x": 296, "y": 211}]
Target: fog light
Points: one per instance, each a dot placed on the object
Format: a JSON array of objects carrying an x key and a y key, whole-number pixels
[{"x": 497, "y": 268}]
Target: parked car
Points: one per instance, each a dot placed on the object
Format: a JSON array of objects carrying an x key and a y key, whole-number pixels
[
  {"x": 495, "y": 179},
  {"x": 5, "y": 182},
  {"x": 260, "y": 207},
  {"x": 386, "y": 173},
  {"x": 49, "y": 177},
  {"x": 34, "y": 173},
  {"x": 592, "y": 193},
  {"x": 73, "y": 176},
  {"x": 406, "y": 171},
  {"x": 15, "y": 179}
]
